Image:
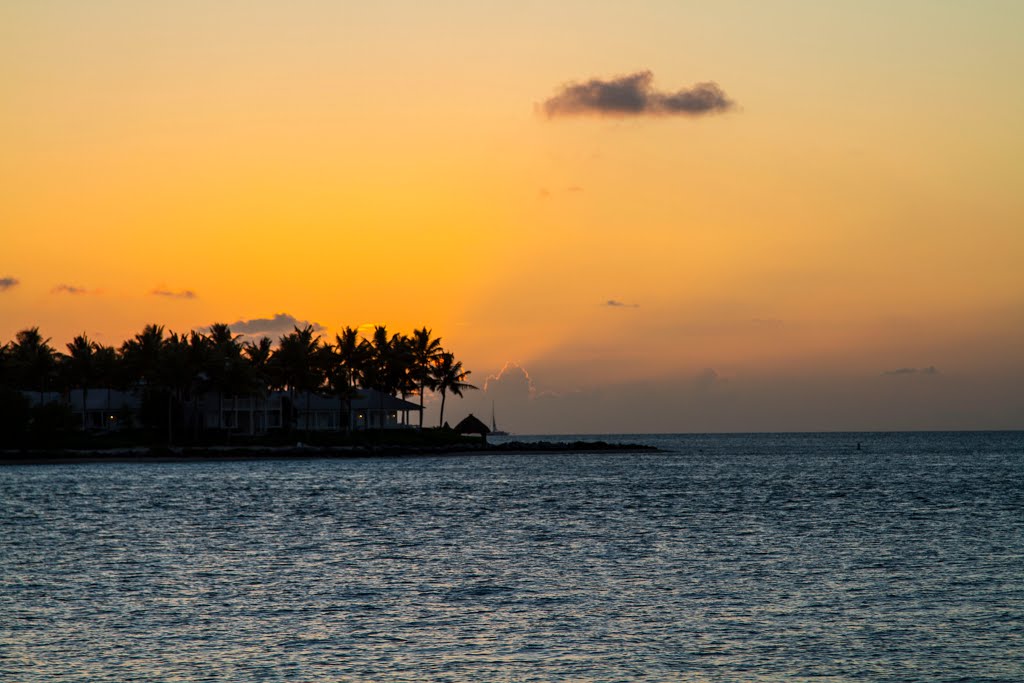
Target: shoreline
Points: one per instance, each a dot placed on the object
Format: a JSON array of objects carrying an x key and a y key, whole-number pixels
[{"x": 160, "y": 454}]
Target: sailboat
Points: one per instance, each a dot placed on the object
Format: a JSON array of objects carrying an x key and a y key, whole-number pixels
[{"x": 494, "y": 425}]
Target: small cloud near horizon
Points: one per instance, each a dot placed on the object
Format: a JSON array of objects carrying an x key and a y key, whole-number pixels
[
  {"x": 68, "y": 289},
  {"x": 614, "y": 303},
  {"x": 930, "y": 370},
  {"x": 279, "y": 323},
  {"x": 7, "y": 282},
  {"x": 634, "y": 95},
  {"x": 180, "y": 294},
  {"x": 511, "y": 376},
  {"x": 707, "y": 378}
]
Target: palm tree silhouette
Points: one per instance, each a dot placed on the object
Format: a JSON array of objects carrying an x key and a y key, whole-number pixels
[
  {"x": 32, "y": 360},
  {"x": 143, "y": 359},
  {"x": 258, "y": 355},
  {"x": 80, "y": 369},
  {"x": 169, "y": 371},
  {"x": 448, "y": 375},
  {"x": 345, "y": 362},
  {"x": 227, "y": 369},
  {"x": 385, "y": 366},
  {"x": 402, "y": 369},
  {"x": 425, "y": 352},
  {"x": 297, "y": 360},
  {"x": 142, "y": 355},
  {"x": 180, "y": 373}
]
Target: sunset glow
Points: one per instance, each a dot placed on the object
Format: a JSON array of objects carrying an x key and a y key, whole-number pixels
[{"x": 768, "y": 257}]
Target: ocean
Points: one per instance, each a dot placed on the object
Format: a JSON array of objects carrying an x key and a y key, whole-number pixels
[{"x": 753, "y": 557}]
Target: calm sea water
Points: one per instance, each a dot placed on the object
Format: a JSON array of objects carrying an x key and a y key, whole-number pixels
[{"x": 725, "y": 558}]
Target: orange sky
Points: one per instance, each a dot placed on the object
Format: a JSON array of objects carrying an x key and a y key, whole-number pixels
[{"x": 858, "y": 211}]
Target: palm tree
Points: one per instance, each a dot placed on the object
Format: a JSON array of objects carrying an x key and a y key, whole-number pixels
[
  {"x": 143, "y": 362},
  {"x": 388, "y": 370},
  {"x": 142, "y": 355},
  {"x": 225, "y": 367},
  {"x": 297, "y": 362},
  {"x": 32, "y": 360},
  {"x": 80, "y": 369},
  {"x": 345, "y": 362},
  {"x": 448, "y": 375},
  {"x": 402, "y": 369},
  {"x": 258, "y": 355},
  {"x": 179, "y": 373},
  {"x": 425, "y": 351},
  {"x": 376, "y": 373},
  {"x": 109, "y": 370}
]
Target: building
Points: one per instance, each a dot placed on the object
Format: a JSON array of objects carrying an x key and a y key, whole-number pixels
[{"x": 368, "y": 409}]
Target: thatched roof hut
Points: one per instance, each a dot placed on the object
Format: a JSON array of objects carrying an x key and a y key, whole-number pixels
[{"x": 472, "y": 425}]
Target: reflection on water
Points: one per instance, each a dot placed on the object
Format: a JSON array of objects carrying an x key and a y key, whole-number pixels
[{"x": 768, "y": 557}]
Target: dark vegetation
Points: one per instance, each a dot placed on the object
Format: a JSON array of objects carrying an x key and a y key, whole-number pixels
[{"x": 170, "y": 372}]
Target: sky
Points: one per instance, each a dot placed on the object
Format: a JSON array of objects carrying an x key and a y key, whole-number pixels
[{"x": 622, "y": 217}]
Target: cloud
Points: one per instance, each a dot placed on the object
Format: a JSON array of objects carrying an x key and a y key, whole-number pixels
[
  {"x": 7, "y": 283},
  {"x": 930, "y": 370},
  {"x": 545, "y": 193},
  {"x": 613, "y": 303},
  {"x": 706, "y": 379},
  {"x": 280, "y": 323},
  {"x": 68, "y": 289},
  {"x": 181, "y": 294},
  {"x": 633, "y": 95},
  {"x": 513, "y": 382},
  {"x": 510, "y": 394}
]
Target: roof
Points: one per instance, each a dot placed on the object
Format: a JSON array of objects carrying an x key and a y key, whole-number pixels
[
  {"x": 364, "y": 399},
  {"x": 472, "y": 425}
]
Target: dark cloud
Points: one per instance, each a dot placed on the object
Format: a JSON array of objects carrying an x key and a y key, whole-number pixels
[
  {"x": 280, "y": 323},
  {"x": 633, "y": 95},
  {"x": 7, "y": 283},
  {"x": 69, "y": 289},
  {"x": 612, "y": 303},
  {"x": 181, "y": 294},
  {"x": 930, "y": 370}
]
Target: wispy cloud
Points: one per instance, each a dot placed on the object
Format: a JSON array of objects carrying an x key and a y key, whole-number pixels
[
  {"x": 68, "y": 289},
  {"x": 280, "y": 323},
  {"x": 930, "y": 370},
  {"x": 614, "y": 303},
  {"x": 634, "y": 95},
  {"x": 7, "y": 283},
  {"x": 180, "y": 294},
  {"x": 545, "y": 193}
]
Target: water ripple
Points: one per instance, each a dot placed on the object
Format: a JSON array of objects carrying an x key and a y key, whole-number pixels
[{"x": 730, "y": 558}]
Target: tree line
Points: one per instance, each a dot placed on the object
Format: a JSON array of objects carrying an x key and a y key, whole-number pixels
[{"x": 171, "y": 370}]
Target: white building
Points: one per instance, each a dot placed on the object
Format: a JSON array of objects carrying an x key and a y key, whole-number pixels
[{"x": 368, "y": 409}]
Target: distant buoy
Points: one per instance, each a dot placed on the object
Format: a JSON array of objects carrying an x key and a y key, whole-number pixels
[{"x": 858, "y": 445}]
